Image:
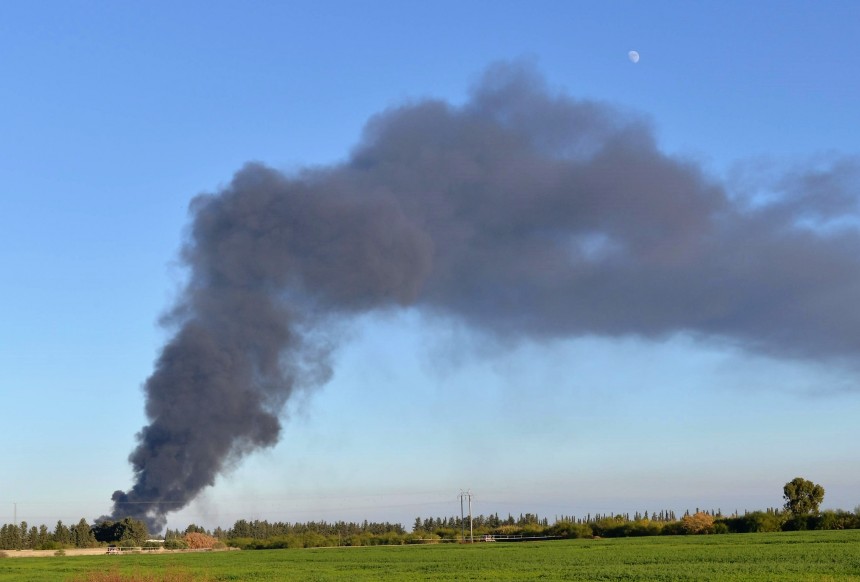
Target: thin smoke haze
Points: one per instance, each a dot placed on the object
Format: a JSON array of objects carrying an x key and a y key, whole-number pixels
[{"x": 523, "y": 213}]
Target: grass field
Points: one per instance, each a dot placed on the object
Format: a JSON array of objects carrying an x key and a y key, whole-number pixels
[{"x": 805, "y": 556}]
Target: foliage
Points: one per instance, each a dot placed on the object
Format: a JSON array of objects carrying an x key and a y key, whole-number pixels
[
  {"x": 802, "y": 497},
  {"x": 698, "y": 523},
  {"x": 261, "y": 534},
  {"x": 128, "y": 532},
  {"x": 754, "y": 522},
  {"x": 570, "y": 530},
  {"x": 62, "y": 534},
  {"x": 60, "y": 552},
  {"x": 619, "y": 526},
  {"x": 262, "y": 529},
  {"x": 835, "y": 519},
  {"x": 199, "y": 541},
  {"x": 175, "y": 544},
  {"x": 422, "y": 537},
  {"x": 82, "y": 535}
]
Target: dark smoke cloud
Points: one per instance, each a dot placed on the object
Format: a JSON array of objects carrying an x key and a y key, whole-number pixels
[{"x": 523, "y": 213}]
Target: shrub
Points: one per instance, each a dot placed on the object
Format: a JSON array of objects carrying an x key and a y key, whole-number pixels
[
  {"x": 673, "y": 528},
  {"x": 570, "y": 530},
  {"x": 422, "y": 537},
  {"x": 645, "y": 527},
  {"x": 241, "y": 543},
  {"x": 757, "y": 521},
  {"x": 199, "y": 541},
  {"x": 610, "y": 527},
  {"x": 175, "y": 544},
  {"x": 60, "y": 552},
  {"x": 698, "y": 523},
  {"x": 391, "y": 538},
  {"x": 504, "y": 530}
]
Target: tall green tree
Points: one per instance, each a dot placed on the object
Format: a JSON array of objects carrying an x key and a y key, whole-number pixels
[
  {"x": 62, "y": 535},
  {"x": 82, "y": 535},
  {"x": 10, "y": 538},
  {"x": 802, "y": 497},
  {"x": 128, "y": 529},
  {"x": 33, "y": 538}
]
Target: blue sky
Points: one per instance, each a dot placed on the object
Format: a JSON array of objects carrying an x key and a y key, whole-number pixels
[{"x": 114, "y": 115}]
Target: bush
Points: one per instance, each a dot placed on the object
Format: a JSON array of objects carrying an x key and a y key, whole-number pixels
[
  {"x": 698, "y": 523},
  {"x": 199, "y": 541},
  {"x": 175, "y": 544},
  {"x": 60, "y": 552},
  {"x": 645, "y": 527},
  {"x": 391, "y": 538},
  {"x": 798, "y": 523},
  {"x": 673, "y": 528},
  {"x": 422, "y": 537},
  {"x": 570, "y": 530},
  {"x": 315, "y": 540},
  {"x": 241, "y": 543},
  {"x": 502, "y": 530},
  {"x": 757, "y": 521},
  {"x": 834, "y": 519},
  {"x": 611, "y": 527}
]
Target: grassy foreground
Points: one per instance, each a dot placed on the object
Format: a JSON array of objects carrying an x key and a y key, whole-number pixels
[{"x": 818, "y": 556}]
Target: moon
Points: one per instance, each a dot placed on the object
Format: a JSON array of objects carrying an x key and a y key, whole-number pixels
[{"x": 633, "y": 56}]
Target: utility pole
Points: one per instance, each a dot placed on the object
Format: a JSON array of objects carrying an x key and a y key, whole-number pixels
[
  {"x": 471, "y": 531},
  {"x": 462, "y": 521},
  {"x": 466, "y": 495}
]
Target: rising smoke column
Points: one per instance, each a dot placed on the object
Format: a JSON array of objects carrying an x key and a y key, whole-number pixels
[
  {"x": 523, "y": 213},
  {"x": 271, "y": 259}
]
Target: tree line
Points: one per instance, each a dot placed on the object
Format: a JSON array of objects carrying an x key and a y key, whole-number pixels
[
  {"x": 800, "y": 512},
  {"x": 128, "y": 531}
]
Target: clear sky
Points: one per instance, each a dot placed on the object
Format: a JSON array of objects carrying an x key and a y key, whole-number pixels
[{"x": 114, "y": 115}]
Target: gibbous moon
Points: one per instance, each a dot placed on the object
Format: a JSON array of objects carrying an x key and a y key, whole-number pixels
[{"x": 633, "y": 56}]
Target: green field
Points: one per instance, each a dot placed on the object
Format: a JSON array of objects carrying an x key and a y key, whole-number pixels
[{"x": 819, "y": 555}]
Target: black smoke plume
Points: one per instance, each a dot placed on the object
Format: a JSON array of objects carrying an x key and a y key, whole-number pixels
[{"x": 522, "y": 212}]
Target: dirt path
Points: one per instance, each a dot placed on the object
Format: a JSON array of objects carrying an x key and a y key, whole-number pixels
[{"x": 68, "y": 552}]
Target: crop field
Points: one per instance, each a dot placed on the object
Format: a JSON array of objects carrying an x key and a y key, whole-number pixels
[{"x": 805, "y": 556}]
